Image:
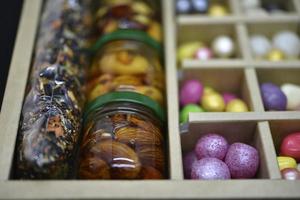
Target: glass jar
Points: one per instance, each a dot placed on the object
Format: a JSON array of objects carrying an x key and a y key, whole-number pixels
[
  {"x": 142, "y": 15},
  {"x": 126, "y": 60},
  {"x": 123, "y": 138}
]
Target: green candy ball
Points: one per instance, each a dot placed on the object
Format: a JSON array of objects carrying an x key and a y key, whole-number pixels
[{"x": 184, "y": 113}]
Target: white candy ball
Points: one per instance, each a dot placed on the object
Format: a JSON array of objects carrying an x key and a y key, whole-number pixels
[
  {"x": 292, "y": 92},
  {"x": 248, "y": 4},
  {"x": 288, "y": 42},
  {"x": 260, "y": 45},
  {"x": 256, "y": 12},
  {"x": 223, "y": 46}
]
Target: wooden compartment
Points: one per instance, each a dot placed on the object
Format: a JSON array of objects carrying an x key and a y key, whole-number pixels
[
  {"x": 235, "y": 81},
  {"x": 177, "y": 29},
  {"x": 250, "y": 133}
]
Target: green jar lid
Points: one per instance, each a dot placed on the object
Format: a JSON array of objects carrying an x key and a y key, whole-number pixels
[
  {"x": 132, "y": 97},
  {"x": 136, "y": 35}
]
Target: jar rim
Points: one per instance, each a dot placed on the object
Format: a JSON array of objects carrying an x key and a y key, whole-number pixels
[
  {"x": 132, "y": 97},
  {"x": 135, "y": 35}
]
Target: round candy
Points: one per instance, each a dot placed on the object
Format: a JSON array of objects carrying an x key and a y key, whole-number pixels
[
  {"x": 189, "y": 108},
  {"x": 273, "y": 97},
  {"x": 208, "y": 90},
  {"x": 290, "y": 174},
  {"x": 200, "y": 6},
  {"x": 242, "y": 160},
  {"x": 187, "y": 50},
  {"x": 260, "y": 45},
  {"x": 211, "y": 145},
  {"x": 286, "y": 162},
  {"x": 213, "y": 102},
  {"x": 275, "y": 55},
  {"x": 188, "y": 160},
  {"x": 223, "y": 46},
  {"x": 288, "y": 42},
  {"x": 217, "y": 10},
  {"x": 204, "y": 53},
  {"x": 210, "y": 169},
  {"x": 228, "y": 97},
  {"x": 236, "y": 105},
  {"x": 183, "y": 6},
  {"x": 191, "y": 92},
  {"x": 292, "y": 93},
  {"x": 250, "y": 4},
  {"x": 290, "y": 146}
]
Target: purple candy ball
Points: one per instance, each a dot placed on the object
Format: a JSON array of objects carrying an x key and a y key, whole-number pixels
[
  {"x": 191, "y": 92},
  {"x": 273, "y": 97},
  {"x": 211, "y": 145},
  {"x": 228, "y": 97},
  {"x": 188, "y": 161},
  {"x": 242, "y": 160},
  {"x": 210, "y": 169}
]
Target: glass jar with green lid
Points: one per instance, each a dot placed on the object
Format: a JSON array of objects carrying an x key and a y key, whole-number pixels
[
  {"x": 123, "y": 138},
  {"x": 143, "y": 15},
  {"x": 127, "y": 60}
]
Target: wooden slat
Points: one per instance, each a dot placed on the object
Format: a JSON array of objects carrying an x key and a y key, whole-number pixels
[{"x": 16, "y": 83}]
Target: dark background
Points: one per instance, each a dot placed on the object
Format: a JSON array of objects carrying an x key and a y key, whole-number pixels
[{"x": 10, "y": 11}]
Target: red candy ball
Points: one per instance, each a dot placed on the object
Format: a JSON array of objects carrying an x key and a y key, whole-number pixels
[{"x": 290, "y": 146}]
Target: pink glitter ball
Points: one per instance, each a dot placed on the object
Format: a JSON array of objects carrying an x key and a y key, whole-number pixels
[
  {"x": 228, "y": 97},
  {"x": 204, "y": 53},
  {"x": 191, "y": 92},
  {"x": 242, "y": 160},
  {"x": 210, "y": 169},
  {"x": 211, "y": 145}
]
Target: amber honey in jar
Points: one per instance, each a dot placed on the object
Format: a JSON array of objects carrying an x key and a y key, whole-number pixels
[
  {"x": 126, "y": 60},
  {"x": 112, "y": 15},
  {"x": 123, "y": 138}
]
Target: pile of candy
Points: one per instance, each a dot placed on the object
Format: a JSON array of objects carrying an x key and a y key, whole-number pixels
[
  {"x": 284, "y": 45},
  {"x": 216, "y": 9},
  {"x": 286, "y": 97},
  {"x": 193, "y": 94},
  {"x": 289, "y": 156},
  {"x": 213, "y": 158},
  {"x": 222, "y": 46},
  {"x": 264, "y": 8}
]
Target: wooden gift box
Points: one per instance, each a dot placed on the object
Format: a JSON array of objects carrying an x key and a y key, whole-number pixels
[{"x": 243, "y": 74}]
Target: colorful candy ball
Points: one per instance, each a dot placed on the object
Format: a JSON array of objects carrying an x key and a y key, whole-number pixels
[
  {"x": 223, "y": 46},
  {"x": 273, "y": 97},
  {"x": 228, "y": 97},
  {"x": 213, "y": 102},
  {"x": 260, "y": 45},
  {"x": 290, "y": 146},
  {"x": 237, "y": 105},
  {"x": 204, "y": 53},
  {"x": 210, "y": 169},
  {"x": 288, "y": 42},
  {"x": 211, "y": 145},
  {"x": 242, "y": 160},
  {"x": 183, "y": 6},
  {"x": 188, "y": 160},
  {"x": 189, "y": 108},
  {"x": 292, "y": 93},
  {"x": 286, "y": 162},
  {"x": 290, "y": 174},
  {"x": 191, "y": 92}
]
